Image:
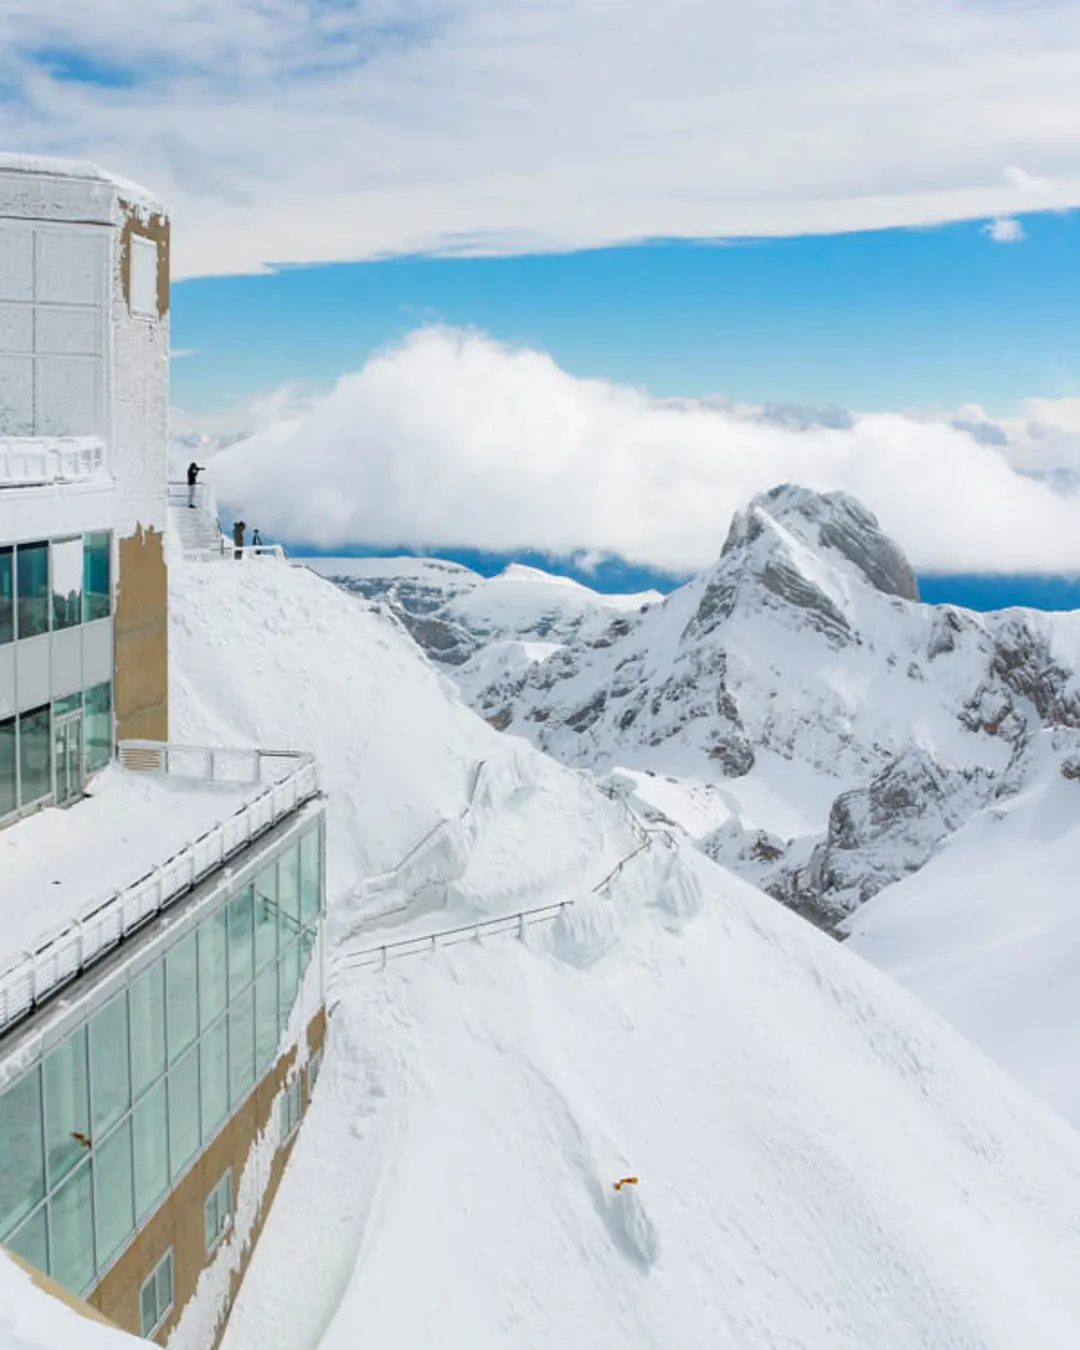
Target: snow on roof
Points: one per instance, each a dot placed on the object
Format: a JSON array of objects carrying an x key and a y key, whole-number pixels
[
  {"x": 45, "y": 166},
  {"x": 59, "y": 863}
]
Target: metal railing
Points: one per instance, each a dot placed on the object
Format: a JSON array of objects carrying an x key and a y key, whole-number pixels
[
  {"x": 33, "y": 976},
  {"x": 447, "y": 937},
  {"x": 28, "y": 461}
]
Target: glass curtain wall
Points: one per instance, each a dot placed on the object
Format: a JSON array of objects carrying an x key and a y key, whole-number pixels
[
  {"x": 32, "y": 589},
  {"x": 92, "y": 1139},
  {"x": 7, "y": 595}
]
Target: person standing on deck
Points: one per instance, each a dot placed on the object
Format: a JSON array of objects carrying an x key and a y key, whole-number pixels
[
  {"x": 193, "y": 471},
  {"x": 238, "y": 538}
]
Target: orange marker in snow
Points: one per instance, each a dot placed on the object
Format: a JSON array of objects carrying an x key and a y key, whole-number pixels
[{"x": 625, "y": 1181}]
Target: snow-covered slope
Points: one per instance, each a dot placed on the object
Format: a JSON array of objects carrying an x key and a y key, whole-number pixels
[
  {"x": 799, "y": 672},
  {"x": 31, "y": 1319},
  {"x": 989, "y": 931},
  {"x": 821, "y": 1163}
]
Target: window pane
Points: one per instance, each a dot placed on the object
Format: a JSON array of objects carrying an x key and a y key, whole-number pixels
[
  {"x": 110, "y": 1084},
  {"x": 73, "y": 1232},
  {"x": 307, "y": 946},
  {"x": 266, "y": 1019},
  {"x": 213, "y": 966},
  {"x": 67, "y": 1105},
  {"x": 310, "y": 876},
  {"x": 289, "y": 894},
  {"x": 96, "y": 572},
  {"x": 181, "y": 985},
  {"x": 241, "y": 940},
  {"x": 8, "y": 799},
  {"x": 32, "y": 588},
  {"x": 97, "y": 727},
  {"x": 148, "y": 1306},
  {"x": 151, "y": 1150},
  {"x": 67, "y": 582},
  {"x": 290, "y": 980},
  {"x": 214, "y": 1078},
  {"x": 147, "y": 995},
  {"x": 35, "y": 755},
  {"x": 32, "y": 1241},
  {"x": 115, "y": 1198},
  {"x": 22, "y": 1155},
  {"x": 265, "y": 917},
  {"x": 164, "y": 1285},
  {"x": 7, "y": 595},
  {"x": 241, "y": 1046},
  {"x": 183, "y": 1111}
]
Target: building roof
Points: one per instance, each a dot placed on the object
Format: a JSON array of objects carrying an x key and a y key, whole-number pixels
[{"x": 79, "y": 170}]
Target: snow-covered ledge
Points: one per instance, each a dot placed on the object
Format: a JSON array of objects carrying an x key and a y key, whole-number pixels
[{"x": 29, "y": 461}]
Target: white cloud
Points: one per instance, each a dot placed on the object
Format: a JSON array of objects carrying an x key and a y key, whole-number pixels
[
  {"x": 287, "y": 130},
  {"x": 1005, "y": 230},
  {"x": 456, "y": 440}
]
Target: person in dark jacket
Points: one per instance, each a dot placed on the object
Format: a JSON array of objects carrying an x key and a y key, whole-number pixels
[
  {"x": 256, "y": 538},
  {"x": 193, "y": 471},
  {"x": 238, "y": 538}
]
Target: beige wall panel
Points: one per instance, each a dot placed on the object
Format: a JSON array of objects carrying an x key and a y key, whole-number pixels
[{"x": 141, "y": 628}]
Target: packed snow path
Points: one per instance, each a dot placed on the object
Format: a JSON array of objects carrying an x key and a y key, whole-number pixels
[{"x": 822, "y": 1163}]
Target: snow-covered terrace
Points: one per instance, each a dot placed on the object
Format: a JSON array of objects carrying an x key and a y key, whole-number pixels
[{"x": 75, "y": 882}]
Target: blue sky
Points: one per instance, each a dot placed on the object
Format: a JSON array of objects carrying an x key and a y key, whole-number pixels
[{"x": 893, "y": 319}]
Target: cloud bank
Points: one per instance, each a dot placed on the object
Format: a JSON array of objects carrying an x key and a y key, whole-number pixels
[
  {"x": 455, "y": 440},
  {"x": 317, "y": 130}
]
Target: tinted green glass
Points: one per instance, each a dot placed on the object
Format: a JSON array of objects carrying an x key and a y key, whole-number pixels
[
  {"x": 151, "y": 1145},
  {"x": 67, "y": 582},
  {"x": 7, "y": 595},
  {"x": 241, "y": 940},
  {"x": 98, "y": 727},
  {"x": 67, "y": 1106},
  {"x": 213, "y": 966},
  {"x": 181, "y": 995},
  {"x": 73, "y": 1231},
  {"x": 307, "y": 946},
  {"x": 311, "y": 876},
  {"x": 266, "y": 923},
  {"x": 8, "y": 781},
  {"x": 147, "y": 1002},
  {"x": 35, "y": 755},
  {"x": 32, "y": 589},
  {"x": 242, "y": 1046},
  {"x": 289, "y": 967},
  {"x": 96, "y": 575},
  {"x": 22, "y": 1151},
  {"x": 214, "y": 1076},
  {"x": 266, "y": 1019},
  {"x": 115, "y": 1196},
  {"x": 184, "y": 1135},
  {"x": 32, "y": 1241},
  {"x": 110, "y": 1083},
  {"x": 289, "y": 894}
]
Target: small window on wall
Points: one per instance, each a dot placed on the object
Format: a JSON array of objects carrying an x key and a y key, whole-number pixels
[
  {"x": 7, "y": 595},
  {"x": 291, "y": 1107},
  {"x": 144, "y": 277},
  {"x": 314, "y": 1068},
  {"x": 35, "y": 755},
  {"x": 32, "y": 587},
  {"x": 97, "y": 728},
  {"x": 97, "y": 576},
  {"x": 156, "y": 1295},
  {"x": 218, "y": 1212},
  {"x": 67, "y": 583}
]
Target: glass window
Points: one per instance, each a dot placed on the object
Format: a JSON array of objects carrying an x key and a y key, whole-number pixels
[
  {"x": 241, "y": 1046},
  {"x": 147, "y": 996},
  {"x": 290, "y": 1107},
  {"x": 313, "y": 1070},
  {"x": 184, "y": 1133},
  {"x": 289, "y": 894},
  {"x": 73, "y": 1231},
  {"x": 67, "y": 1106},
  {"x": 32, "y": 589},
  {"x": 7, "y": 596},
  {"x": 114, "y": 1185},
  {"x": 307, "y": 946},
  {"x": 32, "y": 1241},
  {"x": 214, "y": 1076},
  {"x": 67, "y": 582},
  {"x": 181, "y": 992},
  {"x": 213, "y": 966},
  {"x": 265, "y": 917},
  {"x": 266, "y": 1020},
  {"x": 62, "y": 706},
  {"x": 156, "y": 1295},
  {"x": 35, "y": 755},
  {"x": 290, "y": 980},
  {"x": 98, "y": 727},
  {"x": 110, "y": 1082},
  {"x": 22, "y": 1154},
  {"x": 311, "y": 876},
  {"x": 9, "y": 799},
  {"x": 241, "y": 940},
  {"x": 217, "y": 1212},
  {"x": 96, "y": 573},
  {"x": 151, "y": 1144}
]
